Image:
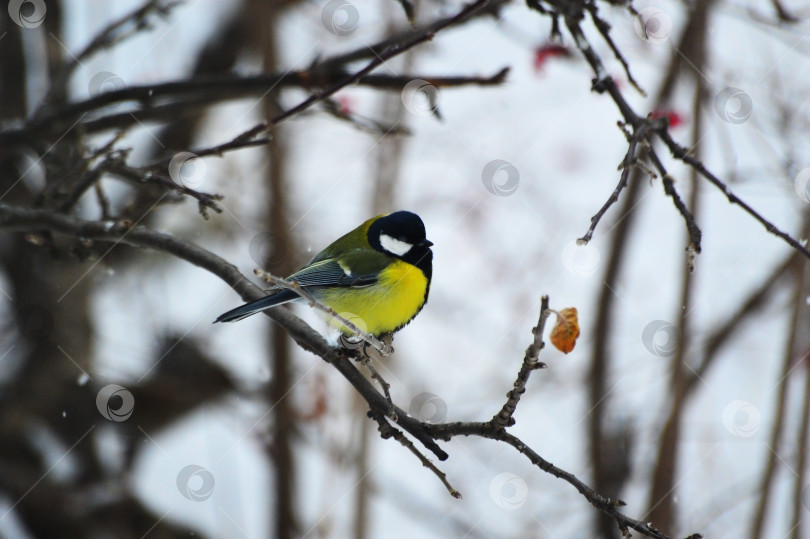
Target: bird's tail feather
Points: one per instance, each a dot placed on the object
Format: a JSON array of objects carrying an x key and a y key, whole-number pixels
[{"x": 278, "y": 298}]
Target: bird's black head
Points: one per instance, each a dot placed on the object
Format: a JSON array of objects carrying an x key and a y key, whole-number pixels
[{"x": 402, "y": 234}]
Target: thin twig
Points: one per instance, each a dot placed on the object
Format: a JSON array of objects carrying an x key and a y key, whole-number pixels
[
  {"x": 150, "y": 175},
  {"x": 504, "y": 418},
  {"x": 409, "y": 9},
  {"x": 681, "y": 153},
  {"x": 604, "y": 30},
  {"x": 153, "y": 102},
  {"x": 363, "y": 358},
  {"x": 369, "y": 51},
  {"x": 103, "y": 201},
  {"x": 388, "y": 431},
  {"x": 604, "y": 83},
  {"x": 363, "y": 123},
  {"x": 668, "y": 182},
  {"x": 132, "y": 23},
  {"x": 394, "y": 50},
  {"x": 383, "y": 348},
  {"x": 626, "y": 166}
]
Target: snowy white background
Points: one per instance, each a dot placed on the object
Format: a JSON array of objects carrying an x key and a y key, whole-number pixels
[{"x": 494, "y": 257}]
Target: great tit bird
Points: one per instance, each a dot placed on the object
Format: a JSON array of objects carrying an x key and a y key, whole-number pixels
[{"x": 379, "y": 272}]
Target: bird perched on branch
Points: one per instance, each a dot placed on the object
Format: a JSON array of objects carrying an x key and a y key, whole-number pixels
[{"x": 378, "y": 273}]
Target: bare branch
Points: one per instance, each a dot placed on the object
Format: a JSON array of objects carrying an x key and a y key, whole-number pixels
[
  {"x": 604, "y": 30},
  {"x": 530, "y": 364},
  {"x": 388, "y": 431},
  {"x": 626, "y": 166},
  {"x": 117, "y": 31},
  {"x": 370, "y": 51},
  {"x": 680, "y": 152},
  {"x": 154, "y": 102},
  {"x": 14, "y": 218},
  {"x": 380, "y": 346},
  {"x": 408, "y": 8},
  {"x": 425, "y": 35},
  {"x": 153, "y": 176},
  {"x": 669, "y": 188},
  {"x": 604, "y": 83}
]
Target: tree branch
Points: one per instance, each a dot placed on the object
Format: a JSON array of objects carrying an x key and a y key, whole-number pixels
[
  {"x": 573, "y": 14},
  {"x": 504, "y": 418},
  {"x": 117, "y": 31},
  {"x": 425, "y": 35},
  {"x": 384, "y": 348},
  {"x": 155, "y": 101},
  {"x": 626, "y": 166},
  {"x": 388, "y": 431},
  {"x": 15, "y": 218},
  {"x": 680, "y": 152}
]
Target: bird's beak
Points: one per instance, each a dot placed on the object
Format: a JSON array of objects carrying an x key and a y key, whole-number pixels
[{"x": 426, "y": 243}]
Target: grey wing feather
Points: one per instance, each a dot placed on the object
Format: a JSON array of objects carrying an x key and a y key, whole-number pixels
[{"x": 329, "y": 273}]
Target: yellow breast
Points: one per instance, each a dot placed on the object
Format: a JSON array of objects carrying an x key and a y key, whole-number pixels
[{"x": 386, "y": 306}]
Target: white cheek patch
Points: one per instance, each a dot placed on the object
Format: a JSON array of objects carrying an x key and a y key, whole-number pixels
[{"x": 393, "y": 245}]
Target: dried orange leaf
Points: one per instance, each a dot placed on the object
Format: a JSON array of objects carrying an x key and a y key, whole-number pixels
[{"x": 566, "y": 330}]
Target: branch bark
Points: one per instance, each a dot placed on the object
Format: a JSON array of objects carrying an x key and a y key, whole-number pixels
[{"x": 14, "y": 218}]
